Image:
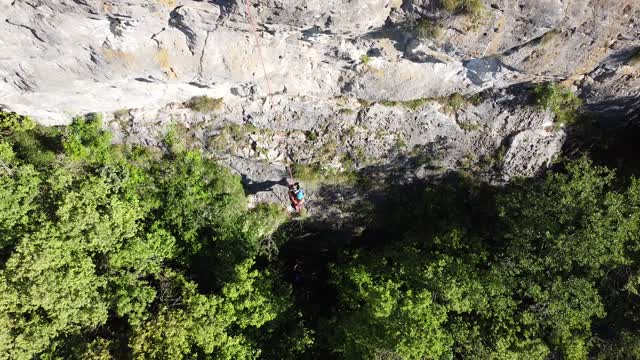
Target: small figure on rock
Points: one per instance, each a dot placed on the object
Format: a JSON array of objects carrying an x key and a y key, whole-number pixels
[{"x": 296, "y": 196}]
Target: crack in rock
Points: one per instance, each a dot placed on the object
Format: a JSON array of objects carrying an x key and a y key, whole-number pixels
[
  {"x": 204, "y": 47},
  {"x": 32, "y": 30}
]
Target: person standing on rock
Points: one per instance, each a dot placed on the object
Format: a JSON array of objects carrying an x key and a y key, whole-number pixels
[{"x": 296, "y": 196}]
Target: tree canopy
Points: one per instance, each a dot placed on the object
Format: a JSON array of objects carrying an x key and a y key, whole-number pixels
[
  {"x": 117, "y": 251},
  {"x": 98, "y": 244}
]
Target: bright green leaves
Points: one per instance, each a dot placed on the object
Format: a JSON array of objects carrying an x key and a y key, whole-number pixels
[
  {"x": 131, "y": 296},
  {"x": 52, "y": 280},
  {"x": 190, "y": 320},
  {"x": 136, "y": 259},
  {"x": 117, "y": 253},
  {"x": 19, "y": 187},
  {"x": 527, "y": 286},
  {"x": 85, "y": 141},
  {"x": 262, "y": 221},
  {"x": 101, "y": 238},
  {"x": 570, "y": 221},
  {"x": 49, "y": 287},
  {"x": 562, "y": 102},
  {"x": 568, "y": 310},
  {"x": 146, "y": 255},
  {"x": 10, "y": 121},
  {"x": 382, "y": 317},
  {"x": 197, "y": 194}
]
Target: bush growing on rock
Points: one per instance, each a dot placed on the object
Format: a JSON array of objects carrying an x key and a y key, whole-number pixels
[
  {"x": 85, "y": 140},
  {"x": 205, "y": 104},
  {"x": 428, "y": 29},
  {"x": 456, "y": 101},
  {"x": 563, "y": 103},
  {"x": 471, "y": 7},
  {"x": 315, "y": 174}
]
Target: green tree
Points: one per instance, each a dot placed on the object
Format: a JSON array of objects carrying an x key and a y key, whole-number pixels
[
  {"x": 189, "y": 320},
  {"x": 505, "y": 274},
  {"x": 10, "y": 121},
  {"x": 104, "y": 239},
  {"x": 84, "y": 140}
]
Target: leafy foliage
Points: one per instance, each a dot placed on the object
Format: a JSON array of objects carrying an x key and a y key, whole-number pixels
[
  {"x": 116, "y": 252},
  {"x": 456, "y": 101},
  {"x": 562, "y": 102},
  {"x": 315, "y": 174},
  {"x": 85, "y": 141},
  {"x": 10, "y": 121},
  {"x": 101, "y": 238},
  {"x": 517, "y": 279},
  {"x": 413, "y": 105}
]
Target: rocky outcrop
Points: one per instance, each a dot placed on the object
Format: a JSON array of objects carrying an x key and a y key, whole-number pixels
[
  {"x": 496, "y": 136},
  {"x": 354, "y": 84},
  {"x": 69, "y": 57}
]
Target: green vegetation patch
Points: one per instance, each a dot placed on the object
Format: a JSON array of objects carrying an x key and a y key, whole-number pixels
[
  {"x": 114, "y": 252},
  {"x": 121, "y": 114},
  {"x": 315, "y": 174},
  {"x": 450, "y": 103},
  {"x": 563, "y": 103},
  {"x": 311, "y": 135},
  {"x": 364, "y": 103},
  {"x": 455, "y": 102},
  {"x": 205, "y": 104},
  {"x": 163, "y": 249},
  {"x": 470, "y": 7},
  {"x": 84, "y": 140},
  {"x": 470, "y": 126},
  {"x": 232, "y": 134},
  {"x": 413, "y": 105},
  {"x": 10, "y": 121},
  {"x": 428, "y": 29}
]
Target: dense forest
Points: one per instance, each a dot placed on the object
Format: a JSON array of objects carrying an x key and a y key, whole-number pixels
[{"x": 122, "y": 252}]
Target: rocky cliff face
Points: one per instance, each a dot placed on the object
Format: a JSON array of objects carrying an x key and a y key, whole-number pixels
[{"x": 366, "y": 85}]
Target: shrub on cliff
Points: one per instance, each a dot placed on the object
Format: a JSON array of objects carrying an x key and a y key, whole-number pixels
[
  {"x": 563, "y": 103},
  {"x": 205, "y": 104},
  {"x": 471, "y": 7}
]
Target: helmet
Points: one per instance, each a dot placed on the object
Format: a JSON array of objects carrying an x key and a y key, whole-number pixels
[{"x": 300, "y": 194}]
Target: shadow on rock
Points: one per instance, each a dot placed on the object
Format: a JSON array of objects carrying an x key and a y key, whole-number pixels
[
  {"x": 608, "y": 131},
  {"x": 254, "y": 187}
]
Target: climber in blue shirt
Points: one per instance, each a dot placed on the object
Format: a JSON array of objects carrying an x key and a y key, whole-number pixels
[{"x": 296, "y": 196}]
